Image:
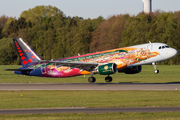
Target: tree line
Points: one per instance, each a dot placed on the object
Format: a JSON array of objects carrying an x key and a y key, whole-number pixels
[{"x": 53, "y": 35}]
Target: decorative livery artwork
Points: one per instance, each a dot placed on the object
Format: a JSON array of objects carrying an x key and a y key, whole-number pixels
[
  {"x": 122, "y": 57},
  {"x": 128, "y": 60},
  {"x": 52, "y": 71}
]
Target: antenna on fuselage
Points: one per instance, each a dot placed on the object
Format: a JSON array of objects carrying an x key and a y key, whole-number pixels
[{"x": 150, "y": 42}]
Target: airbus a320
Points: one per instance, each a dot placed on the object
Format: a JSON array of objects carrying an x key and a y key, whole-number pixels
[{"x": 128, "y": 60}]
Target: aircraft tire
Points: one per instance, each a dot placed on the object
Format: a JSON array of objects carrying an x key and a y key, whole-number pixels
[
  {"x": 156, "y": 71},
  {"x": 91, "y": 79},
  {"x": 108, "y": 79}
]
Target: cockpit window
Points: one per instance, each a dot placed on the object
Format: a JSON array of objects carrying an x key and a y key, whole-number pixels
[{"x": 162, "y": 47}]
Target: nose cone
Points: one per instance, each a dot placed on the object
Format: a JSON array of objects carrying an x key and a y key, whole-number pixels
[{"x": 171, "y": 52}]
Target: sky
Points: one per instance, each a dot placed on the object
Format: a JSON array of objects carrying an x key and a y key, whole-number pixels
[{"x": 87, "y": 8}]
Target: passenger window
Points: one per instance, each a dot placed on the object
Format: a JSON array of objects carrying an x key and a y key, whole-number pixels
[{"x": 160, "y": 47}]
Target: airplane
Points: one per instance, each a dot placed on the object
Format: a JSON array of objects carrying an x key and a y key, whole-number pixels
[{"x": 128, "y": 60}]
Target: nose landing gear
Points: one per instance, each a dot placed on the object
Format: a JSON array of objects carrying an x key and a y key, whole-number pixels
[{"x": 155, "y": 68}]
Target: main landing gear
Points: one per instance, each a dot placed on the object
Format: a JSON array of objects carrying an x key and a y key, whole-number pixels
[
  {"x": 108, "y": 79},
  {"x": 93, "y": 79},
  {"x": 155, "y": 68}
]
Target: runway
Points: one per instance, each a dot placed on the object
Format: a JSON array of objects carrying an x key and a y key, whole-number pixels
[
  {"x": 88, "y": 110},
  {"x": 89, "y": 86}
]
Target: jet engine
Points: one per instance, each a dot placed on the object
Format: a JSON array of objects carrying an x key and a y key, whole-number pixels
[
  {"x": 132, "y": 70},
  {"x": 107, "y": 69}
]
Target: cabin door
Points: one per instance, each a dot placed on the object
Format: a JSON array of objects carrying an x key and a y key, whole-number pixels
[{"x": 150, "y": 47}]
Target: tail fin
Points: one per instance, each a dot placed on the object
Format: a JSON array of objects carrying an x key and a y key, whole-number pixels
[{"x": 26, "y": 54}]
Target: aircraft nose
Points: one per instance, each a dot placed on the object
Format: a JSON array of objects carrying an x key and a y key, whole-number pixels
[{"x": 171, "y": 52}]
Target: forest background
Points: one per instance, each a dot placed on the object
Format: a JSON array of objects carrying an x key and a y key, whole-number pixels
[{"x": 53, "y": 35}]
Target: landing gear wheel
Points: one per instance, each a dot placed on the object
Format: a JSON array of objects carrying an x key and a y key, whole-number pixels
[
  {"x": 156, "y": 71},
  {"x": 108, "y": 79},
  {"x": 92, "y": 79},
  {"x": 155, "y": 68}
]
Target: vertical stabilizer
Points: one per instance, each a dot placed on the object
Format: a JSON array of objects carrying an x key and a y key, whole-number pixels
[{"x": 26, "y": 54}]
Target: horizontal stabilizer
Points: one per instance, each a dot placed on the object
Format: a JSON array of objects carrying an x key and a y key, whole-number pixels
[{"x": 18, "y": 69}]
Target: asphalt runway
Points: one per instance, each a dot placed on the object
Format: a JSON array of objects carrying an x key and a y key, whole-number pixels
[
  {"x": 88, "y": 110},
  {"x": 89, "y": 86}
]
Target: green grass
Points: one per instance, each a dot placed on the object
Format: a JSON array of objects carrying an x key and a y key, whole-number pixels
[
  {"x": 56, "y": 99},
  {"x": 102, "y": 116},
  {"x": 167, "y": 74}
]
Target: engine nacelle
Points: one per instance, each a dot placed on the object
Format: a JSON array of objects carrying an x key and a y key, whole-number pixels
[
  {"x": 107, "y": 69},
  {"x": 132, "y": 70}
]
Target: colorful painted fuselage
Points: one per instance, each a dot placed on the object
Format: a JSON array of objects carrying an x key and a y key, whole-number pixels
[{"x": 123, "y": 57}]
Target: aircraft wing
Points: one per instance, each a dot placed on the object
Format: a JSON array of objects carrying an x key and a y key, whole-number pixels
[{"x": 80, "y": 65}]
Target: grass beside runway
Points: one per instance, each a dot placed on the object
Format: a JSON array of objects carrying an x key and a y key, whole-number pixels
[
  {"x": 102, "y": 116},
  {"x": 167, "y": 74},
  {"x": 56, "y": 99},
  {"x": 52, "y": 99}
]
